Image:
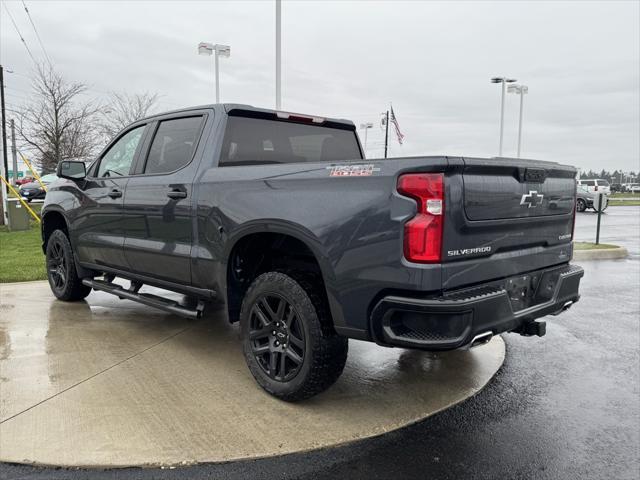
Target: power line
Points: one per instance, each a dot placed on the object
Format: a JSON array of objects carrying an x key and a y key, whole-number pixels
[
  {"x": 19, "y": 34},
  {"x": 37, "y": 34}
]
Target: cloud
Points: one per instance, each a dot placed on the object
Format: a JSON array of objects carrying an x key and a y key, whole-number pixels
[{"x": 433, "y": 60}]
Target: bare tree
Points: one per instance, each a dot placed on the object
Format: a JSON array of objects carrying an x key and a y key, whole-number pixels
[
  {"x": 123, "y": 109},
  {"x": 57, "y": 125}
]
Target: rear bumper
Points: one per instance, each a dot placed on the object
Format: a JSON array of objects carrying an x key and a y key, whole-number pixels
[{"x": 454, "y": 319}]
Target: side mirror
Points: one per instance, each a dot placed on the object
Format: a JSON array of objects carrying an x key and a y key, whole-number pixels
[{"x": 71, "y": 170}]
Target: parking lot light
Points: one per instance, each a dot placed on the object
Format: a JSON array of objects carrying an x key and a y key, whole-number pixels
[
  {"x": 520, "y": 90},
  {"x": 503, "y": 81},
  {"x": 366, "y": 127},
  {"x": 205, "y": 48}
]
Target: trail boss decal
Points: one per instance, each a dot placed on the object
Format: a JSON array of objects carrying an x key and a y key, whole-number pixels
[
  {"x": 468, "y": 251},
  {"x": 352, "y": 170}
]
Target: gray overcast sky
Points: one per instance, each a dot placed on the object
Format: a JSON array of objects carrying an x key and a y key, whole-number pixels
[{"x": 433, "y": 60}]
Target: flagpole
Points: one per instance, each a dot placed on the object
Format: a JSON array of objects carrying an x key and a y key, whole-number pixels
[{"x": 386, "y": 135}]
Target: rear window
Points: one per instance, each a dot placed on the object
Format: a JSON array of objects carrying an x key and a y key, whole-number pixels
[
  {"x": 254, "y": 141},
  {"x": 173, "y": 144}
]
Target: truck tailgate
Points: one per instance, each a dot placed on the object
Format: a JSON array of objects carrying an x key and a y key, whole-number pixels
[{"x": 504, "y": 217}]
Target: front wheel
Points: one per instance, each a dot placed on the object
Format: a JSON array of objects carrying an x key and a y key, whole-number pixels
[
  {"x": 61, "y": 269},
  {"x": 289, "y": 342},
  {"x": 581, "y": 205}
]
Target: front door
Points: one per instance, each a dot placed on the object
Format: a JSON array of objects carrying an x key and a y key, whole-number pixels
[
  {"x": 159, "y": 199},
  {"x": 98, "y": 230}
]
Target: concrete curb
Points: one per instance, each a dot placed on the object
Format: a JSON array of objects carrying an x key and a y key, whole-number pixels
[{"x": 600, "y": 254}]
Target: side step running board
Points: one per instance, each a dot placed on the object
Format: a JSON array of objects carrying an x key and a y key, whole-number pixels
[{"x": 145, "y": 298}]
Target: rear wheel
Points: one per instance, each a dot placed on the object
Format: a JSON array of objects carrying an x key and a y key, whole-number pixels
[
  {"x": 581, "y": 205},
  {"x": 289, "y": 343},
  {"x": 61, "y": 269}
]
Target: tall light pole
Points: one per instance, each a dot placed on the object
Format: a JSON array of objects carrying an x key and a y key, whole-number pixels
[
  {"x": 521, "y": 90},
  {"x": 503, "y": 81},
  {"x": 205, "y": 48},
  {"x": 278, "y": 55},
  {"x": 365, "y": 127}
]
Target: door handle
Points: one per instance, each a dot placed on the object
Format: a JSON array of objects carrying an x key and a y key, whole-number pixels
[
  {"x": 115, "y": 193},
  {"x": 176, "y": 194}
]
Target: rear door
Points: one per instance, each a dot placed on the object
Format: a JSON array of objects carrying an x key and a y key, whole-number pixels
[
  {"x": 97, "y": 230},
  {"x": 159, "y": 200}
]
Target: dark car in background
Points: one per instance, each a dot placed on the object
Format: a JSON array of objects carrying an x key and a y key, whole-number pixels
[{"x": 33, "y": 190}]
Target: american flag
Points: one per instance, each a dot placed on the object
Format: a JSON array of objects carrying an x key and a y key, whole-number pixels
[{"x": 394, "y": 120}]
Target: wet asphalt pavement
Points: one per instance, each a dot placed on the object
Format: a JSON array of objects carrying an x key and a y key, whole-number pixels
[{"x": 563, "y": 406}]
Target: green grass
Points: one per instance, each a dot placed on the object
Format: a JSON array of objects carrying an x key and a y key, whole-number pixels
[
  {"x": 625, "y": 195},
  {"x": 624, "y": 203},
  {"x": 21, "y": 257},
  {"x": 592, "y": 246}
]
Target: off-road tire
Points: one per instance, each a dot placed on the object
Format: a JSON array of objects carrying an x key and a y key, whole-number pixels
[
  {"x": 60, "y": 262},
  {"x": 581, "y": 205},
  {"x": 325, "y": 352}
]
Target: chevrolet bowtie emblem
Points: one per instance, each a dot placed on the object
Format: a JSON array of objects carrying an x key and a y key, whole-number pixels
[{"x": 531, "y": 199}]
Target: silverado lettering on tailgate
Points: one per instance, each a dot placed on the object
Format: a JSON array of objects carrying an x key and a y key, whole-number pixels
[{"x": 468, "y": 251}]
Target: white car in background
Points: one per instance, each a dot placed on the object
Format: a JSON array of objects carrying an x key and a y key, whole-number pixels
[{"x": 596, "y": 185}]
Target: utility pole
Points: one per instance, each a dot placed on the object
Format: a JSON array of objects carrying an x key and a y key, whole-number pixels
[
  {"x": 14, "y": 153},
  {"x": 3, "y": 190},
  {"x": 278, "y": 55},
  {"x": 386, "y": 134}
]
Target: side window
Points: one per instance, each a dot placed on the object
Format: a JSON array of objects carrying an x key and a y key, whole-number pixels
[
  {"x": 117, "y": 161},
  {"x": 590, "y": 183},
  {"x": 173, "y": 145}
]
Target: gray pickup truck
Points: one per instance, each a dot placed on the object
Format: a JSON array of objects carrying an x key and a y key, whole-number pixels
[{"x": 308, "y": 243}]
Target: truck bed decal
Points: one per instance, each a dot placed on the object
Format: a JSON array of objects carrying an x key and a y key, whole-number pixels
[{"x": 352, "y": 170}]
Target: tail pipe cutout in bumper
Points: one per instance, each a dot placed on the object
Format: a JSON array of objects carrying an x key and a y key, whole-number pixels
[{"x": 471, "y": 316}]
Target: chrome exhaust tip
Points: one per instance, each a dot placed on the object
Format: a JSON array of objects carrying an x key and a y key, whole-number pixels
[{"x": 481, "y": 339}]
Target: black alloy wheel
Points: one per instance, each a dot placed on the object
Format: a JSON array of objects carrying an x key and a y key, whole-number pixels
[
  {"x": 56, "y": 264},
  {"x": 277, "y": 337},
  {"x": 61, "y": 269},
  {"x": 288, "y": 339}
]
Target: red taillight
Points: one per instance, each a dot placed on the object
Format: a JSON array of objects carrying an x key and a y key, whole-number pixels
[
  {"x": 595, "y": 188},
  {"x": 423, "y": 233}
]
